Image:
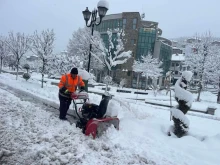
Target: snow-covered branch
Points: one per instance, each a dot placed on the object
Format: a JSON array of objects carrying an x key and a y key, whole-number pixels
[
  {"x": 79, "y": 46},
  {"x": 114, "y": 54},
  {"x": 149, "y": 66}
]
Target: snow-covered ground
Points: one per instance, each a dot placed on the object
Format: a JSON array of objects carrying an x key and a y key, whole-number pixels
[{"x": 31, "y": 135}]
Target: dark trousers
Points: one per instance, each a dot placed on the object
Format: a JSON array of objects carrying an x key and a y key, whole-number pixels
[{"x": 64, "y": 106}]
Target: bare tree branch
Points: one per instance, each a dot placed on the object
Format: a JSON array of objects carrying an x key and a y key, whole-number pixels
[
  {"x": 19, "y": 44},
  {"x": 42, "y": 46}
]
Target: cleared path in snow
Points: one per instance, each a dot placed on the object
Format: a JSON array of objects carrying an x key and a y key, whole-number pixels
[{"x": 46, "y": 105}]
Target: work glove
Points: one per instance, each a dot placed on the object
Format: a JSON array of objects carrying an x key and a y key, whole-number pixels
[
  {"x": 63, "y": 90},
  {"x": 66, "y": 91}
]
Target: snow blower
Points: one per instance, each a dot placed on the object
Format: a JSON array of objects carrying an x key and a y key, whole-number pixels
[{"x": 92, "y": 118}]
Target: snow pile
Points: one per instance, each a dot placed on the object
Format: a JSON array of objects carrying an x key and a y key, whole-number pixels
[
  {"x": 182, "y": 94},
  {"x": 179, "y": 115},
  {"x": 178, "y": 57},
  {"x": 112, "y": 109},
  {"x": 187, "y": 75},
  {"x": 84, "y": 74},
  {"x": 32, "y": 135}
]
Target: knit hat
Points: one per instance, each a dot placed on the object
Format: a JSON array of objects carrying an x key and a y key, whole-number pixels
[{"x": 74, "y": 71}]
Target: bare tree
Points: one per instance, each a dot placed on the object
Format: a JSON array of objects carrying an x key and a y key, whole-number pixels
[
  {"x": 4, "y": 50},
  {"x": 19, "y": 45},
  {"x": 42, "y": 46}
]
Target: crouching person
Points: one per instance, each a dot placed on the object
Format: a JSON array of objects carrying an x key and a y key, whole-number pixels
[{"x": 68, "y": 84}]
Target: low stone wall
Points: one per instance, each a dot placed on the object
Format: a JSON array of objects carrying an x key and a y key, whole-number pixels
[{"x": 13, "y": 72}]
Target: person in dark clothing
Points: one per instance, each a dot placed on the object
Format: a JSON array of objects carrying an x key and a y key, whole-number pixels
[{"x": 68, "y": 84}]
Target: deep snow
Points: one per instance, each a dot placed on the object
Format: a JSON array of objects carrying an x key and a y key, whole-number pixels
[{"x": 31, "y": 135}]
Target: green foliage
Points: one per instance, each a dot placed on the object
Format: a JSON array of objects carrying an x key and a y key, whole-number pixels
[
  {"x": 26, "y": 76},
  {"x": 27, "y": 67}
]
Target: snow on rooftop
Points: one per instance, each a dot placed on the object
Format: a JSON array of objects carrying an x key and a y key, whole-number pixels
[{"x": 178, "y": 57}]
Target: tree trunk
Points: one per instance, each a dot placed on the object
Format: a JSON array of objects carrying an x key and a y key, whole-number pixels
[
  {"x": 1, "y": 64},
  {"x": 17, "y": 65},
  {"x": 42, "y": 72},
  {"x": 146, "y": 86},
  {"x": 138, "y": 80},
  {"x": 42, "y": 81},
  {"x": 199, "y": 91},
  {"x": 218, "y": 97}
]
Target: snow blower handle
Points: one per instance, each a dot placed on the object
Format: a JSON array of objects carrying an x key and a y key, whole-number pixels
[{"x": 82, "y": 88}]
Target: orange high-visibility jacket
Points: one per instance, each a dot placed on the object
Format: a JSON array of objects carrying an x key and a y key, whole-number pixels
[{"x": 70, "y": 83}]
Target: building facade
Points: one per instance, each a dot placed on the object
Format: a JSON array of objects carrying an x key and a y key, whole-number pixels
[{"x": 142, "y": 38}]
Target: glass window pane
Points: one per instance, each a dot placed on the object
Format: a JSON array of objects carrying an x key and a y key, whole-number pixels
[
  {"x": 134, "y": 26},
  {"x": 124, "y": 21},
  {"x": 135, "y": 21},
  {"x": 120, "y": 23}
]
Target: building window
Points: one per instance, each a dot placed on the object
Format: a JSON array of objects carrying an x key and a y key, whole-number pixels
[
  {"x": 177, "y": 64},
  {"x": 124, "y": 23},
  {"x": 195, "y": 74},
  {"x": 173, "y": 64},
  {"x": 133, "y": 41},
  {"x": 134, "y": 23},
  {"x": 176, "y": 72}
]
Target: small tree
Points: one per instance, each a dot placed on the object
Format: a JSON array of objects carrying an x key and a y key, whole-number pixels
[
  {"x": 18, "y": 44},
  {"x": 26, "y": 76},
  {"x": 27, "y": 67},
  {"x": 42, "y": 46}
]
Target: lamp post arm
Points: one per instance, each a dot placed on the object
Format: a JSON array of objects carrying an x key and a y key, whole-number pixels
[
  {"x": 90, "y": 24},
  {"x": 98, "y": 23}
]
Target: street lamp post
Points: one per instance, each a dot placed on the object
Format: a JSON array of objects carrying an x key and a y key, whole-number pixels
[{"x": 102, "y": 9}]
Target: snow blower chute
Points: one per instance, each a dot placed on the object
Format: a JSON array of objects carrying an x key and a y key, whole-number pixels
[{"x": 92, "y": 118}]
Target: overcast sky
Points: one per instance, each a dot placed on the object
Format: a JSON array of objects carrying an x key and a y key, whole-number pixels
[{"x": 176, "y": 18}]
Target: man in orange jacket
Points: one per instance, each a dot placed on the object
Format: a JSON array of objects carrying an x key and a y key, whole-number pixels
[{"x": 68, "y": 84}]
